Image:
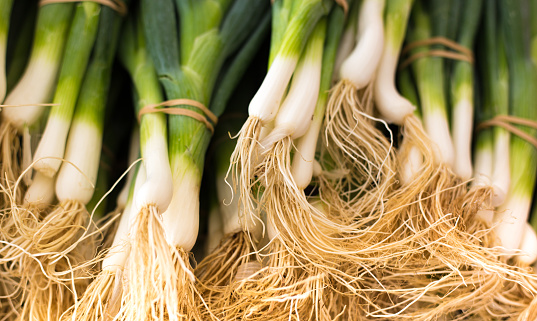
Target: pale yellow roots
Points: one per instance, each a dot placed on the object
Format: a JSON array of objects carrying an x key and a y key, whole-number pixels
[
  {"x": 219, "y": 269},
  {"x": 242, "y": 166},
  {"x": 101, "y": 300},
  {"x": 160, "y": 281},
  {"x": 10, "y": 164},
  {"x": 356, "y": 146},
  {"x": 284, "y": 290},
  {"x": 53, "y": 259},
  {"x": 374, "y": 224}
]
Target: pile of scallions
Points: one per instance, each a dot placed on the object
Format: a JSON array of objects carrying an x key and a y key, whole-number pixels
[{"x": 268, "y": 160}]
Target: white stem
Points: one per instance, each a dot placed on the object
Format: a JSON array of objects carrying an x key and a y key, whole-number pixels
[
  {"x": 181, "y": 219},
  {"x": 40, "y": 193},
  {"x": 346, "y": 45},
  {"x": 303, "y": 160},
  {"x": 215, "y": 231},
  {"x": 501, "y": 175},
  {"x": 510, "y": 220},
  {"x": 84, "y": 151},
  {"x": 265, "y": 130},
  {"x": 36, "y": 86},
  {"x": 51, "y": 148},
  {"x": 134, "y": 152},
  {"x": 362, "y": 63},
  {"x": 483, "y": 164},
  {"x": 296, "y": 113},
  {"x": 437, "y": 128},
  {"x": 267, "y": 99},
  {"x": 158, "y": 188},
  {"x": 463, "y": 118},
  {"x": 528, "y": 246},
  {"x": 393, "y": 107},
  {"x": 119, "y": 252}
]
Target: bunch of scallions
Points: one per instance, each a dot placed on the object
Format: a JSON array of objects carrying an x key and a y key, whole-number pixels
[{"x": 293, "y": 159}]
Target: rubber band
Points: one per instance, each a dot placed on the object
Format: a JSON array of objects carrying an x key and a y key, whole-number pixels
[
  {"x": 116, "y": 5},
  {"x": 506, "y": 121},
  {"x": 154, "y": 108},
  {"x": 461, "y": 53},
  {"x": 344, "y": 4},
  {"x": 28, "y": 105}
]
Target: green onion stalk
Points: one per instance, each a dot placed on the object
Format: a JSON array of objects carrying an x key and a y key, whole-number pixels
[
  {"x": 288, "y": 41},
  {"x": 512, "y": 215},
  {"x": 292, "y": 122},
  {"x": 413, "y": 167},
  {"x": 394, "y": 107},
  {"x": 35, "y": 88},
  {"x": 81, "y": 39},
  {"x": 462, "y": 92},
  {"x": 187, "y": 67},
  {"x": 78, "y": 49},
  {"x": 156, "y": 187},
  {"x": 286, "y": 201},
  {"x": 491, "y": 151},
  {"x": 5, "y": 14},
  {"x": 429, "y": 74},
  {"x": 350, "y": 126},
  {"x": 67, "y": 233}
]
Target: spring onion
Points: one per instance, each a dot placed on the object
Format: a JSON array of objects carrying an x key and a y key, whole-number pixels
[
  {"x": 462, "y": 87},
  {"x": 37, "y": 83},
  {"x": 80, "y": 41},
  {"x": 513, "y": 213},
  {"x": 429, "y": 72},
  {"x": 264, "y": 105},
  {"x": 65, "y": 229},
  {"x": 210, "y": 31}
]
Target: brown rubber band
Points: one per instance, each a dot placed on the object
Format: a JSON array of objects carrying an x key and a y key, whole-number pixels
[
  {"x": 344, "y": 4},
  {"x": 27, "y": 105},
  {"x": 116, "y": 5},
  {"x": 462, "y": 53},
  {"x": 506, "y": 121},
  {"x": 154, "y": 108}
]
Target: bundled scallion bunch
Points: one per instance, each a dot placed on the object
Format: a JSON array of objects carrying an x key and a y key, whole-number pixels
[{"x": 383, "y": 166}]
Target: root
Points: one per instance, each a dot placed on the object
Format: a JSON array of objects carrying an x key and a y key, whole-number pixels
[
  {"x": 97, "y": 303},
  {"x": 45, "y": 301},
  {"x": 242, "y": 166},
  {"x": 218, "y": 270},
  {"x": 161, "y": 283},
  {"x": 52, "y": 264},
  {"x": 10, "y": 164},
  {"x": 353, "y": 144},
  {"x": 284, "y": 290}
]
